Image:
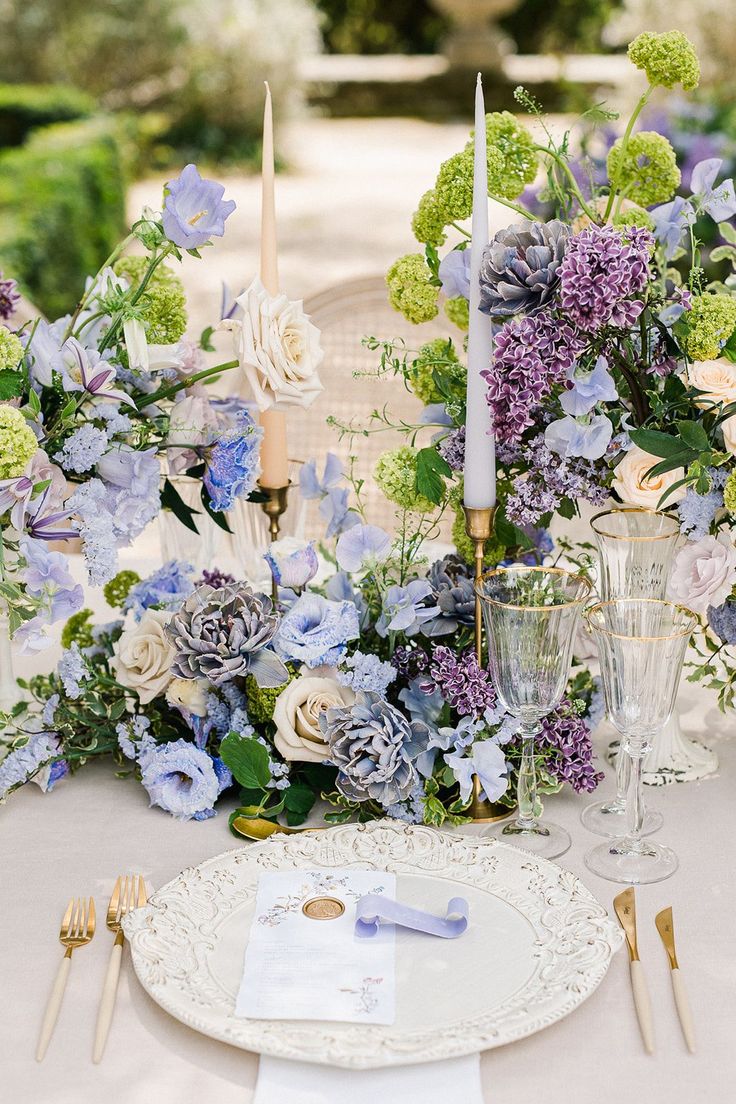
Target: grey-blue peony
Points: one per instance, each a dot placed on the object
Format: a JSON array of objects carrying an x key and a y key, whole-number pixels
[
  {"x": 374, "y": 748},
  {"x": 519, "y": 270}
]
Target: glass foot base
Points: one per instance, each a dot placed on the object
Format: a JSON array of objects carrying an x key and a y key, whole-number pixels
[
  {"x": 604, "y": 818},
  {"x": 617, "y": 863},
  {"x": 548, "y": 840}
]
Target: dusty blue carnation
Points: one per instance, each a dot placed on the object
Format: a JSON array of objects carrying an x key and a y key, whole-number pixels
[{"x": 722, "y": 620}]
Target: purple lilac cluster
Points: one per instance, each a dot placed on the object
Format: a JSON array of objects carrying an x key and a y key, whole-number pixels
[
  {"x": 452, "y": 448},
  {"x": 531, "y": 355},
  {"x": 601, "y": 269},
  {"x": 9, "y": 297},
  {"x": 464, "y": 685},
  {"x": 567, "y": 734},
  {"x": 214, "y": 578},
  {"x": 549, "y": 480},
  {"x": 409, "y": 662}
]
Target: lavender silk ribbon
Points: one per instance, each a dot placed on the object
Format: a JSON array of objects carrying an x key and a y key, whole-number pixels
[{"x": 373, "y": 910}]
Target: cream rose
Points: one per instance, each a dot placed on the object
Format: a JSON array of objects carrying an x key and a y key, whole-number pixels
[
  {"x": 278, "y": 348},
  {"x": 188, "y": 694},
  {"x": 716, "y": 379},
  {"x": 729, "y": 435},
  {"x": 144, "y": 654},
  {"x": 297, "y": 713},
  {"x": 632, "y": 485}
]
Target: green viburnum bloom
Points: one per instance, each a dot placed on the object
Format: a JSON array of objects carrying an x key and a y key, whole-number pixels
[
  {"x": 635, "y": 216},
  {"x": 711, "y": 321},
  {"x": 78, "y": 630},
  {"x": 729, "y": 493},
  {"x": 261, "y": 700},
  {"x": 435, "y": 354},
  {"x": 667, "y": 59},
  {"x": 648, "y": 172},
  {"x": 518, "y": 164},
  {"x": 396, "y": 476},
  {"x": 493, "y": 553},
  {"x": 11, "y": 350},
  {"x": 17, "y": 443},
  {"x": 428, "y": 221},
  {"x": 163, "y": 306},
  {"x": 410, "y": 289},
  {"x": 454, "y": 187},
  {"x": 458, "y": 311},
  {"x": 118, "y": 588}
]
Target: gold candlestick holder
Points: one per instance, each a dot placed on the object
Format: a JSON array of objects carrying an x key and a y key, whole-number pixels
[
  {"x": 479, "y": 526},
  {"x": 273, "y": 507}
]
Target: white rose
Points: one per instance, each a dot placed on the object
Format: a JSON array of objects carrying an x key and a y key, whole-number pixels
[
  {"x": 188, "y": 694},
  {"x": 278, "y": 348},
  {"x": 716, "y": 379},
  {"x": 729, "y": 435},
  {"x": 144, "y": 654},
  {"x": 632, "y": 485},
  {"x": 704, "y": 572},
  {"x": 297, "y": 713}
]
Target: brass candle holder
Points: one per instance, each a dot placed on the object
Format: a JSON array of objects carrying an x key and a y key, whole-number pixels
[
  {"x": 273, "y": 507},
  {"x": 479, "y": 526}
]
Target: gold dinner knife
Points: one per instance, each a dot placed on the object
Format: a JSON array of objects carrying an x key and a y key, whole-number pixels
[
  {"x": 625, "y": 906},
  {"x": 666, "y": 929}
]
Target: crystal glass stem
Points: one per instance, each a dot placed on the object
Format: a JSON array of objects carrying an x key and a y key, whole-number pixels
[
  {"x": 634, "y": 755},
  {"x": 623, "y": 775},
  {"x": 526, "y": 788}
]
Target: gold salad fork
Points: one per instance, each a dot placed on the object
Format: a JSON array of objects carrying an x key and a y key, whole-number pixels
[
  {"x": 129, "y": 893},
  {"x": 77, "y": 928}
]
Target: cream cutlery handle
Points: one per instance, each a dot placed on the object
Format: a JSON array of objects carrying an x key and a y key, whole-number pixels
[
  {"x": 52, "y": 1008},
  {"x": 683, "y": 1009},
  {"x": 107, "y": 1004},
  {"x": 643, "y": 1005}
]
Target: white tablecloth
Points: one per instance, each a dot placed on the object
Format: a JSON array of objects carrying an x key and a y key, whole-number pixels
[{"x": 78, "y": 838}]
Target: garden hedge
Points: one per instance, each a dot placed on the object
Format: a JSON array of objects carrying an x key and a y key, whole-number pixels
[
  {"x": 24, "y": 107},
  {"x": 62, "y": 209}
]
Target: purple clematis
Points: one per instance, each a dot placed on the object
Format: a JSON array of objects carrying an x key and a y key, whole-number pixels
[
  {"x": 85, "y": 370},
  {"x": 194, "y": 210}
]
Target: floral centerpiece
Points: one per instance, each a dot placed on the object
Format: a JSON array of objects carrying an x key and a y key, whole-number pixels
[{"x": 614, "y": 366}]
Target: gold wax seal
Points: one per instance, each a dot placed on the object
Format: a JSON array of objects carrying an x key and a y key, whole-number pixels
[{"x": 323, "y": 908}]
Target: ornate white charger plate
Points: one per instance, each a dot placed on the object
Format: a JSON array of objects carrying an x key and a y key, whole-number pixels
[{"x": 538, "y": 944}]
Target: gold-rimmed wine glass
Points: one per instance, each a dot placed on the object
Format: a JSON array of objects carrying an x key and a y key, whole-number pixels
[{"x": 531, "y": 615}]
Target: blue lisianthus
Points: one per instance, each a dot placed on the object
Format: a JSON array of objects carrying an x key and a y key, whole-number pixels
[
  {"x": 194, "y": 210},
  {"x": 181, "y": 778},
  {"x": 233, "y": 463},
  {"x": 293, "y": 563},
  {"x": 317, "y": 631},
  {"x": 164, "y": 589}
]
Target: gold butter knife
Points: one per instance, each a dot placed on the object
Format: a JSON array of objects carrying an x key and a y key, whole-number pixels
[
  {"x": 666, "y": 929},
  {"x": 625, "y": 907}
]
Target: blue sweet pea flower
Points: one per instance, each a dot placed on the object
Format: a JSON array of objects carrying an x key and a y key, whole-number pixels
[
  {"x": 311, "y": 486},
  {"x": 589, "y": 388},
  {"x": 720, "y": 202},
  {"x": 362, "y": 547},
  {"x": 336, "y": 512},
  {"x": 454, "y": 272},
  {"x": 670, "y": 222},
  {"x": 405, "y": 609},
  {"x": 194, "y": 210},
  {"x": 588, "y": 439}
]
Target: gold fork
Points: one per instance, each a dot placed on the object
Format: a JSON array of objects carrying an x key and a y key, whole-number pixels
[
  {"x": 77, "y": 928},
  {"x": 129, "y": 893}
]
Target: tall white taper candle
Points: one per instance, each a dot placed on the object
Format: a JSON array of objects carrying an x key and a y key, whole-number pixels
[{"x": 480, "y": 448}]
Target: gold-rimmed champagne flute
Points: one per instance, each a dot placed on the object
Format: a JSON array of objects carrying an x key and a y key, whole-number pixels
[
  {"x": 641, "y": 644},
  {"x": 531, "y": 615},
  {"x": 635, "y": 549}
]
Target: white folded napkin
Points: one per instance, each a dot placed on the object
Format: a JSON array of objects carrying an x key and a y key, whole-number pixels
[{"x": 280, "y": 1081}]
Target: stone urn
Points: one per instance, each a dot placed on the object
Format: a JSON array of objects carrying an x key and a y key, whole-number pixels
[{"x": 474, "y": 41}]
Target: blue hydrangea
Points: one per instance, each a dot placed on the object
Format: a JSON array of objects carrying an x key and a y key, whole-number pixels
[
  {"x": 19, "y": 765},
  {"x": 366, "y": 672},
  {"x": 115, "y": 420},
  {"x": 81, "y": 451},
  {"x": 411, "y": 811},
  {"x": 73, "y": 671},
  {"x": 131, "y": 734},
  {"x": 49, "y": 709},
  {"x": 697, "y": 512},
  {"x": 233, "y": 463},
  {"x": 165, "y": 588},
  {"x": 722, "y": 620}
]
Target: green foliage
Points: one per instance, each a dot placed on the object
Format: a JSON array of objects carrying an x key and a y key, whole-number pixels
[
  {"x": 62, "y": 196},
  {"x": 247, "y": 759},
  {"x": 25, "y": 107},
  {"x": 118, "y": 588},
  {"x": 78, "y": 629}
]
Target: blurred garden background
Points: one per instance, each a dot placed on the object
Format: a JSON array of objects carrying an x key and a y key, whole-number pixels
[{"x": 104, "y": 100}]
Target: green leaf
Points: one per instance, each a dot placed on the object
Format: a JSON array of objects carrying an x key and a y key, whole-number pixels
[
  {"x": 205, "y": 342},
  {"x": 727, "y": 231},
  {"x": 217, "y": 515},
  {"x": 298, "y": 802},
  {"x": 431, "y": 473},
  {"x": 11, "y": 384},
  {"x": 656, "y": 443},
  {"x": 669, "y": 465},
  {"x": 172, "y": 500},
  {"x": 247, "y": 759},
  {"x": 34, "y": 402},
  {"x": 694, "y": 435},
  {"x": 723, "y": 253},
  {"x": 567, "y": 509},
  {"x": 508, "y": 534}
]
